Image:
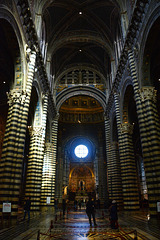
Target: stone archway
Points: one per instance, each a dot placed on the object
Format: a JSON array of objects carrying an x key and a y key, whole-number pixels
[{"x": 81, "y": 181}]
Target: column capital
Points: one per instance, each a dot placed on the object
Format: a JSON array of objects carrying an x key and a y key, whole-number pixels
[
  {"x": 18, "y": 96},
  {"x": 35, "y": 131},
  {"x": 148, "y": 93},
  {"x": 48, "y": 145},
  {"x": 126, "y": 128},
  {"x": 114, "y": 145}
]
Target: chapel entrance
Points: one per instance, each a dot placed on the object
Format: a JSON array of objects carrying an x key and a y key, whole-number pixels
[{"x": 81, "y": 182}]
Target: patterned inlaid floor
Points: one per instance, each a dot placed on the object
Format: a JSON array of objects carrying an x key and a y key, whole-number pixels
[{"x": 75, "y": 226}]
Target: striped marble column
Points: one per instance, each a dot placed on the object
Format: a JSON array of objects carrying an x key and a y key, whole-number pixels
[
  {"x": 149, "y": 132},
  {"x": 13, "y": 145},
  {"x": 127, "y": 161},
  {"x": 103, "y": 177},
  {"x": 118, "y": 121},
  {"x": 34, "y": 169},
  {"x": 128, "y": 169},
  {"x": 108, "y": 138},
  {"x": 54, "y": 153},
  {"x": 113, "y": 167},
  {"x": 46, "y": 169},
  {"x": 44, "y": 116},
  {"x": 47, "y": 174},
  {"x": 66, "y": 168},
  {"x": 12, "y": 155},
  {"x": 115, "y": 175},
  {"x": 108, "y": 152},
  {"x": 96, "y": 173},
  {"x": 35, "y": 160},
  {"x": 59, "y": 168},
  {"x": 59, "y": 177},
  {"x": 102, "y": 169}
]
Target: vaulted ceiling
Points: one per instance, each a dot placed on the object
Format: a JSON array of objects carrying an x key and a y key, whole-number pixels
[{"x": 81, "y": 33}]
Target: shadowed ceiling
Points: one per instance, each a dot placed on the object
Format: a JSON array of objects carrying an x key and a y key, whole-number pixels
[{"x": 81, "y": 33}]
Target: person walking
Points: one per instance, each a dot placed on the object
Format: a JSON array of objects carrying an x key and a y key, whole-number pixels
[
  {"x": 27, "y": 207},
  {"x": 90, "y": 210},
  {"x": 113, "y": 216}
]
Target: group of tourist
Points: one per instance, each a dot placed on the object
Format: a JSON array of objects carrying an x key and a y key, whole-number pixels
[
  {"x": 90, "y": 210},
  {"x": 113, "y": 216}
]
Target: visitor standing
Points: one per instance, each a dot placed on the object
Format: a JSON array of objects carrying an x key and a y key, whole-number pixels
[
  {"x": 113, "y": 216},
  {"x": 56, "y": 204},
  {"x": 90, "y": 210},
  {"x": 27, "y": 207}
]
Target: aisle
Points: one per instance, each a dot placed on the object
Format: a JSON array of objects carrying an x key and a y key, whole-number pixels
[{"x": 74, "y": 226}]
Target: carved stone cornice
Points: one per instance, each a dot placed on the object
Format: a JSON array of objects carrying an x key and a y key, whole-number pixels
[
  {"x": 148, "y": 93},
  {"x": 18, "y": 96},
  {"x": 126, "y": 128}
]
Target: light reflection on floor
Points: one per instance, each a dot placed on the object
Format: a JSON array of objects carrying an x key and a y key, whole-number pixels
[{"x": 75, "y": 226}]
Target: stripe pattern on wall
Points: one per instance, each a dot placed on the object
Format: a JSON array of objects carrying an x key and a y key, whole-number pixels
[
  {"x": 127, "y": 162},
  {"x": 128, "y": 169},
  {"x": 13, "y": 147},
  {"x": 149, "y": 131},
  {"x": 54, "y": 152}
]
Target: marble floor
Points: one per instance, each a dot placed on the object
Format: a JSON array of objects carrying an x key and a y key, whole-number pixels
[{"x": 75, "y": 226}]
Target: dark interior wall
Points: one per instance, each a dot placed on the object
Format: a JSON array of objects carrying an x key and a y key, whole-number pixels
[
  {"x": 9, "y": 50},
  {"x": 89, "y": 131}
]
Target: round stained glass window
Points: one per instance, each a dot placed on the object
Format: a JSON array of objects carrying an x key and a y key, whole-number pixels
[{"x": 81, "y": 151}]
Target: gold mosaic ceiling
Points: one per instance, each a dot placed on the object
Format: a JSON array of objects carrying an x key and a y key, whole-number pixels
[{"x": 81, "y": 109}]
